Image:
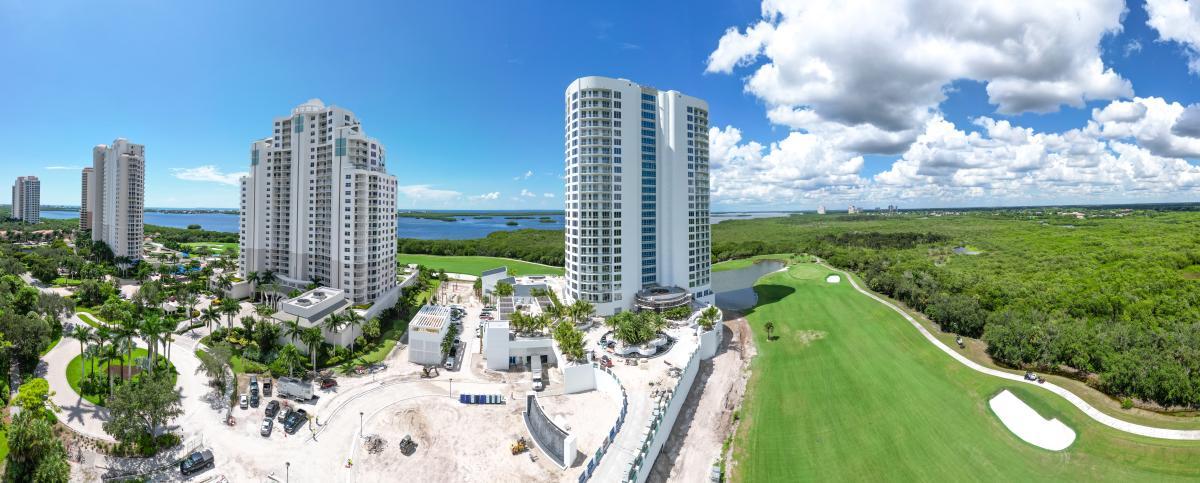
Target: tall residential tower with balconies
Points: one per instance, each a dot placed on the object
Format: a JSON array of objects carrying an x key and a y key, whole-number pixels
[
  {"x": 27, "y": 199},
  {"x": 116, "y": 197},
  {"x": 87, "y": 179},
  {"x": 319, "y": 206},
  {"x": 637, "y": 195}
]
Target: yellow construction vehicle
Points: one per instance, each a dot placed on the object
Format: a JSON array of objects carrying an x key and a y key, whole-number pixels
[{"x": 520, "y": 446}]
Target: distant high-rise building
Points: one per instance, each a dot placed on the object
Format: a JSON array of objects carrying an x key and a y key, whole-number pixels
[
  {"x": 87, "y": 194},
  {"x": 319, "y": 206},
  {"x": 637, "y": 195},
  {"x": 116, "y": 193},
  {"x": 821, "y": 209},
  {"x": 27, "y": 199}
]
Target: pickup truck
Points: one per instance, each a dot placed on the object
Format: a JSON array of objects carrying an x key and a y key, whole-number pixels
[{"x": 196, "y": 462}]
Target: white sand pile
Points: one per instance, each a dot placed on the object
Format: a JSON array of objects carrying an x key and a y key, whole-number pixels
[
  {"x": 1028, "y": 425},
  {"x": 833, "y": 279}
]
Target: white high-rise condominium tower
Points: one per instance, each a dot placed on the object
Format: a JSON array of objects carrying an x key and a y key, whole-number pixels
[
  {"x": 637, "y": 195},
  {"x": 116, "y": 194},
  {"x": 319, "y": 206},
  {"x": 87, "y": 179},
  {"x": 27, "y": 199}
]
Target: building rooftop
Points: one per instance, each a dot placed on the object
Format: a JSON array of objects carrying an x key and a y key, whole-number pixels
[{"x": 431, "y": 318}]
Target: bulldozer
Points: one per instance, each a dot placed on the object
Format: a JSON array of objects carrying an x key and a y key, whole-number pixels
[
  {"x": 520, "y": 446},
  {"x": 407, "y": 445},
  {"x": 428, "y": 372}
]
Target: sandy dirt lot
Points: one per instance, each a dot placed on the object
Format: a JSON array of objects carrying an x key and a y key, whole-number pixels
[
  {"x": 455, "y": 443},
  {"x": 707, "y": 415}
]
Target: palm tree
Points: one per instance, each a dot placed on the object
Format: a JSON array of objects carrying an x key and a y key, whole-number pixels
[
  {"x": 230, "y": 308},
  {"x": 102, "y": 336},
  {"x": 312, "y": 337},
  {"x": 108, "y": 354},
  {"x": 708, "y": 317},
  {"x": 189, "y": 299},
  {"x": 289, "y": 355},
  {"x": 150, "y": 330},
  {"x": 292, "y": 329},
  {"x": 224, "y": 283},
  {"x": 581, "y": 309},
  {"x": 127, "y": 330},
  {"x": 352, "y": 320},
  {"x": 770, "y": 326},
  {"x": 82, "y": 333},
  {"x": 210, "y": 315},
  {"x": 334, "y": 323},
  {"x": 252, "y": 279}
]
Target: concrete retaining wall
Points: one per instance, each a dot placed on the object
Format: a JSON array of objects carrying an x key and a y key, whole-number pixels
[{"x": 552, "y": 440}]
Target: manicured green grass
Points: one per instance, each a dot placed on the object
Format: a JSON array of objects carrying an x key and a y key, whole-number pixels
[
  {"x": 89, "y": 319},
  {"x": 76, "y": 368},
  {"x": 476, "y": 265},
  {"x": 65, "y": 282},
  {"x": 214, "y": 247},
  {"x": 746, "y": 262},
  {"x": 850, "y": 391}
]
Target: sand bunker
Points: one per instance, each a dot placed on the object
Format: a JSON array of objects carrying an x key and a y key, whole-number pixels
[
  {"x": 1028, "y": 425},
  {"x": 833, "y": 279}
]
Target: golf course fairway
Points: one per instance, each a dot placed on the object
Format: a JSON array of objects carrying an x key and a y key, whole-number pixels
[{"x": 848, "y": 390}]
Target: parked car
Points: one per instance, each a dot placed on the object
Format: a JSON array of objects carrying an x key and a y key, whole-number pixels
[
  {"x": 253, "y": 383},
  {"x": 254, "y": 399},
  {"x": 244, "y": 401},
  {"x": 196, "y": 462},
  {"x": 283, "y": 415},
  {"x": 267, "y": 388},
  {"x": 1030, "y": 376},
  {"x": 272, "y": 409},
  {"x": 450, "y": 362},
  {"x": 295, "y": 420},
  {"x": 328, "y": 383},
  {"x": 268, "y": 424}
]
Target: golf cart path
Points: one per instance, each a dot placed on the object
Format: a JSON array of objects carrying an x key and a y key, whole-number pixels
[{"x": 1092, "y": 412}]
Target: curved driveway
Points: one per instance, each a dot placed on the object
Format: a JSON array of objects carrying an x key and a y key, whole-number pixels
[{"x": 1088, "y": 409}]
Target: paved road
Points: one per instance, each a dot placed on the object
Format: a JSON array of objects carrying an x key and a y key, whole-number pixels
[
  {"x": 1088, "y": 409},
  {"x": 76, "y": 412}
]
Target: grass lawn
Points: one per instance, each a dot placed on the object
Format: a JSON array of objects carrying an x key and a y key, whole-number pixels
[
  {"x": 90, "y": 319},
  {"x": 849, "y": 390},
  {"x": 476, "y": 265},
  {"x": 746, "y": 262},
  {"x": 214, "y": 247},
  {"x": 76, "y": 368}
]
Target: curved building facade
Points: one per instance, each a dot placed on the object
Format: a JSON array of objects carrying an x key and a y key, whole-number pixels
[{"x": 637, "y": 192}]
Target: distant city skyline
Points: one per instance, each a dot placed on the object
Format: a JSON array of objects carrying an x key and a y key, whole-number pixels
[{"x": 1106, "y": 112}]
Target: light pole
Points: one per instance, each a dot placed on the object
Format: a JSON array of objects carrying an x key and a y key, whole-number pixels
[
  {"x": 360, "y": 416},
  {"x": 451, "y": 387},
  {"x": 287, "y": 475}
]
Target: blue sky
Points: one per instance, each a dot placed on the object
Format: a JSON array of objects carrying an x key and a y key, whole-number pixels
[{"x": 467, "y": 97}]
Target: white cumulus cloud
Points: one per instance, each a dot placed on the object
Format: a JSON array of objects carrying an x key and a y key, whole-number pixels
[
  {"x": 63, "y": 168},
  {"x": 526, "y": 193},
  {"x": 208, "y": 173},
  {"x": 486, "y": 196},
  {"x": 1177, "y": 21},
  {"x": 889, "y": 64}
]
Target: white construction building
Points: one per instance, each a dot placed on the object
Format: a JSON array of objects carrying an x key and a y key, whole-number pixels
[
  {"x": 87, "y": 179},
  {"x": 425, "y": 334},
  {"x": 27, "y": 199},
  {"x": 117, "y": 197},
  {"x": 319, "y": 206},
  {"x": 637, "y": 193}
]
